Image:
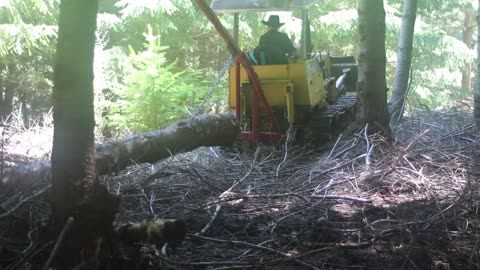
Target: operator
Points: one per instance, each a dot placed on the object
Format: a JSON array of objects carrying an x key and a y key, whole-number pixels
[{"x": 274, "y": 47}]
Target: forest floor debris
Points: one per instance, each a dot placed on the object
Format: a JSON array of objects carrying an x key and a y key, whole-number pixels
[{"x": 356, "y": 203}]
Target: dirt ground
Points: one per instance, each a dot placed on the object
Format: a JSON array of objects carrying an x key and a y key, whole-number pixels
[{"x": 354, "y": 203}]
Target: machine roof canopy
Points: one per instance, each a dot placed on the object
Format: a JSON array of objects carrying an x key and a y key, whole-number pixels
[{"x": 238, "y": 6}]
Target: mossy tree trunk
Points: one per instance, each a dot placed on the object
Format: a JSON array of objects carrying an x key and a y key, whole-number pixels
[
  {"x": 75, "y": 191},
  {"x": 371, "y": 85}
]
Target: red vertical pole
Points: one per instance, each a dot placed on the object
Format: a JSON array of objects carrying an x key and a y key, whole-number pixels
[
  {"x": 257, "y": 89},
  {"x": 255, "y": 115},
  {"x": 237, "y": 88},
  {"x": 257, "y": 94}
]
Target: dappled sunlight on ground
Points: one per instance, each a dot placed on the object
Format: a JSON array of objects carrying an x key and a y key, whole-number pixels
[{"x": 24, "y": 143}]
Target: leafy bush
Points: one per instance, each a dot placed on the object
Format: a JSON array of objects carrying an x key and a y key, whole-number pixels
[{"x": 152, "y": 93}]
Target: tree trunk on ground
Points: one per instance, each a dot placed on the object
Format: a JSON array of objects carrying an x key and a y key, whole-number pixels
[
  {"x": 185, "y": 135},
  {"x": 404, "y": 61},
  {"x": 468, "y": 30},
  {"x": 476, "y": 92},
  {"x": 75, "y": 192},
  {"x": 371, "y": 85}
]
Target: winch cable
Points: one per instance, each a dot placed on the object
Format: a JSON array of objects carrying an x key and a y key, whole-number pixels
[
  {"x": 201, "y": 107},
  {"x": 241, "y": 59}
]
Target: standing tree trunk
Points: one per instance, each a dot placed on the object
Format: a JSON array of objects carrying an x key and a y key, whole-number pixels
[
  {"x": 404, "y": 61},
  {"x": 476, "y": 92},
  {"x": 75, "y": 192},
  {"x": 372, "y": 85},
  {"x": 6, "y": 98},
  {"x": 7, "y": 106},
  {"x": 24, "y": 109},
  {"x": 468, "y": 30}
]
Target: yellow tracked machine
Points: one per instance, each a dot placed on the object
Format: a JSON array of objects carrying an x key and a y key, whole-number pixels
[{"x": 310, "y": 93}]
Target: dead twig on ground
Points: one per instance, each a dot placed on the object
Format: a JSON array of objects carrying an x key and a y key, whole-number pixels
[
  {"x": 341, "y": 197},
  {"x": 59, "y": 242},
  {"x": 38, "y": 193},
  {"x": 250, "y": 245},
  {"x": 400, "y": 156},
  {"x": 218, "y": 207}
]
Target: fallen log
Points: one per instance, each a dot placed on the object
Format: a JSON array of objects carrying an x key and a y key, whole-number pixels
[{"x": 183, "y": 136}]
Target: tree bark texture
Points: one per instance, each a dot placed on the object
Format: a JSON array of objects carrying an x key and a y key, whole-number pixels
[
  {"x": 74, "y": 186},
  {"x": 7, "y": 105},
  {"x": 404, "y": 61},
  {"x": 371, "y": 85},
  {"x": 476, "y": 92},
  {"x": 73, "y": 153},
  {"x": 185, "y": 135},
  {"x": 7, "y": 93},
  {"x": 468, "y": 30}
]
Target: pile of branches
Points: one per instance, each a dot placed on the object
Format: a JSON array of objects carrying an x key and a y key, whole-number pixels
[{"x": 361, "y": 202}]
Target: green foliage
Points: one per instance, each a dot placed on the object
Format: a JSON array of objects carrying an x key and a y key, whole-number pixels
[
  {"x": 445, "y": 7},
  {"x": 28, "y": 34},
  {"x": 154, "y": 94},
  {"x": 439, "y": 53},
  {"x": 143, "y": 87},
  {"x": 434, "y": 94},
  {"x": 27, "y": 26},
  {"x": 336, "y": 32},
  {"x": 192, "y": 41},
  {"x": 26, "y": 39}
]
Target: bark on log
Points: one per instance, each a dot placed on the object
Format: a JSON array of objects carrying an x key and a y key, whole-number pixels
[{"x": 183, "y": 136}]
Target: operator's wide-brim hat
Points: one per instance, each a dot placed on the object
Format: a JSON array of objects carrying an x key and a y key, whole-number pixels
[{"x": 273, "y": 21}]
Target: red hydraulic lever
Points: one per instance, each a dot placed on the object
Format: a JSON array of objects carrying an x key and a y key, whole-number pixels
[{"x": 242, "y": 59}]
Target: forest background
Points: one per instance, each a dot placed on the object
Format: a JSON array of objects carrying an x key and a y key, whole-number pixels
[{"x": 155, "y": 61}]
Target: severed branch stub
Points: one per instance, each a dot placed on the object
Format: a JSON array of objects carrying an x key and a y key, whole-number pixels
[{"x": 154, "y": 231}]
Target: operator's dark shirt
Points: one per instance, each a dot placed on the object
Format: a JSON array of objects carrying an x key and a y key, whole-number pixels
[{"x": 277, "y": 46}]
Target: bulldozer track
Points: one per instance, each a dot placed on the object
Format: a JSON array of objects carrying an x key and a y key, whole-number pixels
[{"x": 328, "y": 123}]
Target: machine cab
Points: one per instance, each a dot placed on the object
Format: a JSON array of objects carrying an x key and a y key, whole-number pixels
[
  {"x": 267, "y": 99},
  {"x": 236, "y": 6}
]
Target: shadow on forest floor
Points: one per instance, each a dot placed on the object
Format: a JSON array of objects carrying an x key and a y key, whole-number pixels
[{"x": 410, "y": 205}]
